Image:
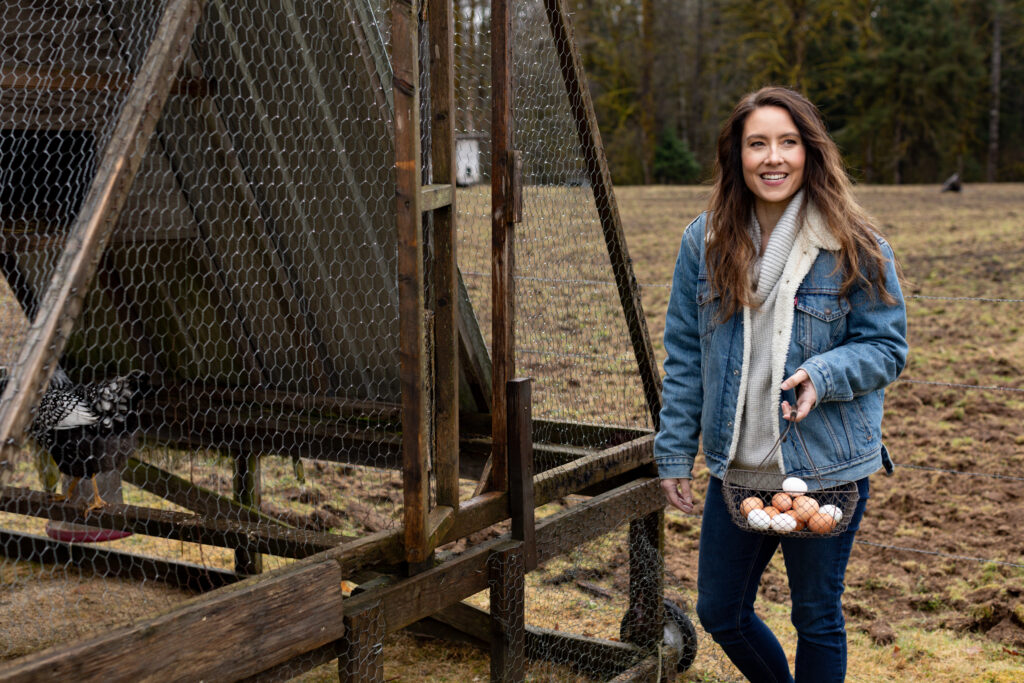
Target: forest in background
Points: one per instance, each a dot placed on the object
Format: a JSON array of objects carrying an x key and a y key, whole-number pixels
[{"x": 912, "y": 90}]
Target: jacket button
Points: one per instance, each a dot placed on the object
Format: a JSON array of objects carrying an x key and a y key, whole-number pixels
[
  {"x": 735, "y": 372},
  {"x": 729, "y": 423},
  {"x": 828, "y": 311}
]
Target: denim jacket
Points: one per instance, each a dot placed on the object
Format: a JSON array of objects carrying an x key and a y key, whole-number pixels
[{"x": 850, "y": 347}]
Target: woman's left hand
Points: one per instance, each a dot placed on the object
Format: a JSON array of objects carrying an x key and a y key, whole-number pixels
[{"x": 806, "y": 396}]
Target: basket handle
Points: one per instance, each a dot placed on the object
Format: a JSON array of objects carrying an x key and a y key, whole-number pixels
[{"x": 792, "y": 426}]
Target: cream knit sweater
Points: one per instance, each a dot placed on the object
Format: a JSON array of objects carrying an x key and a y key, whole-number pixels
[{"x": 758, "y": 426}]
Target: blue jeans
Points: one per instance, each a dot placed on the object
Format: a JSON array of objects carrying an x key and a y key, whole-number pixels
[{"x": 730, "y": 567}]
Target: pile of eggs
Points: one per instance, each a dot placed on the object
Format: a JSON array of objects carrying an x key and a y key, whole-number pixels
[{"x": 791, "y": 509}]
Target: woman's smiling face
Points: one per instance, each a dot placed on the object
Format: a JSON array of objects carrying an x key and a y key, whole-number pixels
[{"x": 773, "y": 155}]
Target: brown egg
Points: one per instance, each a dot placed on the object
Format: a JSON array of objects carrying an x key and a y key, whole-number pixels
[
  {"x": 821, "y": 524},
  {"x": 771, "y": 511},
  {"x": 752, "y": 503},
  {"x": 782, "y": 501},
  {"x": 800, "y": 524},
  {"x": 804, "y": 507}
]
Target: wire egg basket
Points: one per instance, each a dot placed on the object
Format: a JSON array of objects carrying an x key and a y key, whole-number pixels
[{"x": 782, "y": 505}]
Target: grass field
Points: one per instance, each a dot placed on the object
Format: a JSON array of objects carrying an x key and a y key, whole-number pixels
[{"x": 935, "y": 589}]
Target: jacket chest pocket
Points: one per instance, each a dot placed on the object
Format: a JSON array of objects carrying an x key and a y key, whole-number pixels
[{"x": 820, "y": 321}]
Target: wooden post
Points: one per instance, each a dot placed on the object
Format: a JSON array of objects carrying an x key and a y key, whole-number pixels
[
  {"x": 441, "y": 29},
  {"x": 502, "y": 235},
  {"x": 520, "y": 468},
  {"x": 246, "y": 484},
  {"x": 646, "y": 612},
  {"x": 582, "y": 108},
  {"x": 360, "y": 652},
  {"x": 506, "y": 576},
  {"x": 411, "y": 296},
  {"x": 63, "y": 299}
]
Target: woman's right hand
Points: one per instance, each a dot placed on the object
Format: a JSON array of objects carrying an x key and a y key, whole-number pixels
[{"x": 677, "y": 491}]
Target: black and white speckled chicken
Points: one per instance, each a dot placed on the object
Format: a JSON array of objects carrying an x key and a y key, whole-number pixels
[{"x": 72, "y": 422}]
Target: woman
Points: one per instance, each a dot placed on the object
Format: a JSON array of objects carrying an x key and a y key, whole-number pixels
[{"x": 785, "y": 305}]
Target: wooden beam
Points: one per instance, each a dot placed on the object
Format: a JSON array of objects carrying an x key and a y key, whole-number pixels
[
  {"x": 411, "y": 296},
  {"x": 227, "y": 634},
  {"x": 648, "y": 669},
  {"x": 502, "y": 235},
  {"x": 272, "y": 540},
  {"x": 424, "y": 594},
  {"x": 435, "y": 197},
  {"x": 646, "y": 580},
  {"x": 112, "y": 563},
  {"x": 332, "y": 406},
  {"x": 520, "y": 469},
  {"x": 507, "y": 578},
  {"x": 592, "y": 150},
  {"x": 397, "y": 604},
  {"x": 475, "y": 361},
  {"x": 191, "y": 496},
  {"x": 49, "y": 80},
  {"x": 246, "y": 484},
  {"x": 585, "y": 435},
  {"x": 73, "y": 274},
  {"x": 593, "y": 657},
  {"x": 444, "y": 269},
  {"x": 361, "y": 653}
]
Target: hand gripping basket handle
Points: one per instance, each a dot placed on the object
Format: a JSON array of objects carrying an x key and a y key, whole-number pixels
[{"x": 792, "y": 426}]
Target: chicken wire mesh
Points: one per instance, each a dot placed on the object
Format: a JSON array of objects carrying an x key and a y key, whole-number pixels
[{"x": 236, "y": 359}]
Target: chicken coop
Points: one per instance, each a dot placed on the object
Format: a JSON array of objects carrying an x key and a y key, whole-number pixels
[{"x": 277, "y": 387}]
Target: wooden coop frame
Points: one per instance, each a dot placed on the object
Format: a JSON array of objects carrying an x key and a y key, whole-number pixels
[{"x": 264, "y": 619}]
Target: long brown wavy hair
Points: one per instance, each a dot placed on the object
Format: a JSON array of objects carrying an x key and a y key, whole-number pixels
[{"x": 730, "y": 249}]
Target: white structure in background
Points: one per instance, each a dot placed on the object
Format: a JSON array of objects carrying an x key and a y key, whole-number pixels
[{"x": 467, "y": 158}]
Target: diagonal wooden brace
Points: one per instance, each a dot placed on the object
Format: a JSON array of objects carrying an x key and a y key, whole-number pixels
[{"x": 63, "y": 299}]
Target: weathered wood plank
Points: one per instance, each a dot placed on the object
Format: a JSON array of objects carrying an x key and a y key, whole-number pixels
[
  {"x": 435, "y": 197},
  {"x": 594, "y": 657},
  {"x": 507, "y": 578},
  {"x": 245, "y": 482},
  {"x": 475, "y": 361},
  {"x": 412, "y": 599},
  {"x": 560, "y": 432},
  {"x": 112, "y": 563},
  {"x": 191, "y": 496},
  {"x": 592, "y": 149},
  {"x": 33, "y": 77},
  {"x": 520, "y": 469},
  {"x": 333, "y": 406},
  {"x": 232, "y": 632},
  {"x": 403, "y": 602},
  {"x": 444, "y": 269},
  {"x": 502, "y": 236},
  {"x": 264, "y": 538},
  {"x": 646, "y": 579},
  {"x": 647, "y": 669},
  {"x": 411, "y": 296},
  {"x": 62, "y": 302},
  {"x": 360, "y": 652}
]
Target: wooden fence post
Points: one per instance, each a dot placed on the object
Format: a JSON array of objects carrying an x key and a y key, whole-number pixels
[
  {"x": 520, "y": 467},
  {"x": 360, "y": 652},
  {"x": 506, "y": 575}
]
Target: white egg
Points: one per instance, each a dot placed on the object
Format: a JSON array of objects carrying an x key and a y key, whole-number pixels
[
  {"x": 759, "y": 519},
  {"x": 832, "y": 511},
  {"x": 783, "y": 523},
  {"x": 794, "y": 486}
]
